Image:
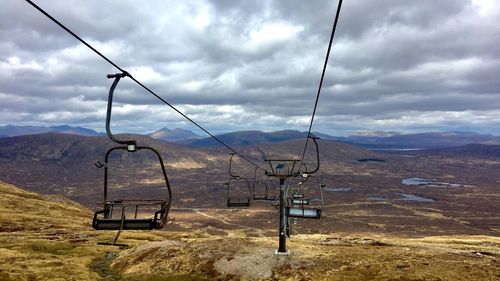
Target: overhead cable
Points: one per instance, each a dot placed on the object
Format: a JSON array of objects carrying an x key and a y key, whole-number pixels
[{"x": 321, "y": 80}]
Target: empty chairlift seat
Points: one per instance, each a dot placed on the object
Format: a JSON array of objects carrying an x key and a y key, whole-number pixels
[
  {"x": 261, "y": 191},
  {"x": 238, "y": 193},
  {"x": 137, "y": 214},
  {"x": 120, "y": 214},
  {"x": 238, "y": 202}
]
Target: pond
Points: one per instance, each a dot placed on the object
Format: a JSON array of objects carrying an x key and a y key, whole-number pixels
[
  {"x": 432, "y": 183},
  {"x": 338, "y": 189},
  {"x": 377, "y": 198},
  {"x": 416, "y": 181},
  {"x": 415, "y": 198}
]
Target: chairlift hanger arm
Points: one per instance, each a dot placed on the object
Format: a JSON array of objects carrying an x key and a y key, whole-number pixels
[
  {"x": 317, "y": 157},
  {"x": 231, "y": 165},
  {"x": 117, "y": 78}
]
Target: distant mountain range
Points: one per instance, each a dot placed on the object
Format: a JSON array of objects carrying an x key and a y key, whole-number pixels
[
  {"x": 421, "y": 140},
  {"x": 368, "y": 140},
  {"x": 473, "y": 150},
  {"x": 164, "y": 134},
  {"x": 381, "y": 140},
  {"x": 12, "y": 131}
]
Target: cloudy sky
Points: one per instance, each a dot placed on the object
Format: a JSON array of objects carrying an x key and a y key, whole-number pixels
[{"x": 396, "y": 65}]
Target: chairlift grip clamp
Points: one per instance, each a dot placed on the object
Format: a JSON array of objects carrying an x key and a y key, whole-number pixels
[{"x": 118, "y": 75}]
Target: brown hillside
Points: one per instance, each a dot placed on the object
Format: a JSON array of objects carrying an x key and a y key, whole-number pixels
[{"x": 49, "y": 238}]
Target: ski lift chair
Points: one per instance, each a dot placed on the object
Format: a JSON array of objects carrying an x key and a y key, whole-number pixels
[
  {"x": 308, "y": 208},
  {"x": 299, "y": 206},
  {"x": 115, "y": 213},
  {"x": 236, "y": 198},
  {"x": 261, "y": 191},
  {"x": 108, "y": 220}
]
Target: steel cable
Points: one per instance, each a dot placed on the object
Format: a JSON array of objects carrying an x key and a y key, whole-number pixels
[{"x": 321, "y": 80}]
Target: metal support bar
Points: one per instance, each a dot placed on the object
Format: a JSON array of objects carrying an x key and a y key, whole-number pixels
[
  {"x": 121, "y": 225},
  {"x": 283, "y": 218}
]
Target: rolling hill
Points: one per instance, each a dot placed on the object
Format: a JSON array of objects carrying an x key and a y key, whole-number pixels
[
  {"x": 45, "y": 237},
  {"x": 12, "y": 131},
  {"x": 421, "y": 140},
  {"x": 175, "y": 135},
  {"x": 246, "y": 138},
  {"x": 470, "y": 150},
  {"x": 55, "y": 163},
  {"x": 363, "y": 196}
]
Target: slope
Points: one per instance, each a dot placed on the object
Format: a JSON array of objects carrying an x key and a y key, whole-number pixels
[
  {"x": 44, "y": 237},
  {"x": 49, "y": 238},
  {"x": 54, "y": 163}
]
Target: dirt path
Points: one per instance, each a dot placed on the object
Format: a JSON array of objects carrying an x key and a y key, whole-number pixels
[{"x": 259, "y": 232}]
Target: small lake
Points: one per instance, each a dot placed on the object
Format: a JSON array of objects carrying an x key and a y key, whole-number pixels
[
  {"x": 415, "y": 198},
  {"x": 432, "y": 183},
  {"x": 396, "y": 149},
  {"x": 416, "y": 181},
  {"x": 338, "y": 189},
  {"x": 377, "y": 198}
]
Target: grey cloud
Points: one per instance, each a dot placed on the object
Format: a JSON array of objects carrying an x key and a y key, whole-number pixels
[{"x": 389, "y": 58}]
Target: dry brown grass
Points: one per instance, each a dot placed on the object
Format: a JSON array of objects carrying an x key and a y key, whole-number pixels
[
  {"x": 50, "y": 238},
  {"x": 318, "y": 257}
]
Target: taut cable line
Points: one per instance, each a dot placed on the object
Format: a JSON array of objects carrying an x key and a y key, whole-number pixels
[
  {"x": 321, "y": 80},
  {"x": 138, "y": 82}
]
